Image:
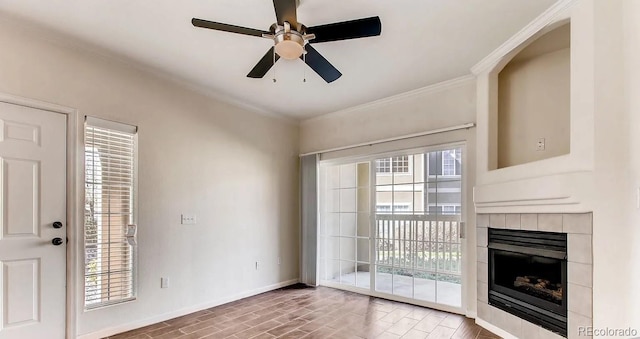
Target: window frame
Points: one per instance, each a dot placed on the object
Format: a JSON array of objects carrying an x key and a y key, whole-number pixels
[
  {"x": 392, "y": 164},
  {"x": 454, "y": 152},
  {"x": 122, "y": 128}
]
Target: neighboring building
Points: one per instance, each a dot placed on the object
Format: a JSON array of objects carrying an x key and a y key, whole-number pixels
[{"x": 404, "y": 187}]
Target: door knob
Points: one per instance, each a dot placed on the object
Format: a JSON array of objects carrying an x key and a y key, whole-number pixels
[
  {"x": 57, "y": 241},
  {"x": 57, "y": 224}
]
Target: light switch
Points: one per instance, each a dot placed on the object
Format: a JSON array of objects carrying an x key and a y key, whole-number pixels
[
  {"x": 188, "y": 219},
  {"x": 164, "y": 282}
]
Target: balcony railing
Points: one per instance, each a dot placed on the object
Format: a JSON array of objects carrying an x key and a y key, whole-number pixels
[{"x": 419, "y": 245}]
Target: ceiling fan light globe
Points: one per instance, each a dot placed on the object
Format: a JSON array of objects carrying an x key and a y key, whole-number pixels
[{"x": 288, "y": 49}]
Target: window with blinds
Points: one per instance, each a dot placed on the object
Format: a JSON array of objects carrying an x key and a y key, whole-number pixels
[{"x": 110, "y": 174}]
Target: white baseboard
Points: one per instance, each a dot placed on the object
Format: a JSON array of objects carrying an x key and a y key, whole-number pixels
[
  {"x": 495, "y": 330},
  {"x": 184, "y": 311}
]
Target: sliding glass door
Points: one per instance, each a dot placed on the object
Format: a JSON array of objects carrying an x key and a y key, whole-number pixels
[
  {"x": 418, "y": 202},
  {"x": 390, "y": 226}
]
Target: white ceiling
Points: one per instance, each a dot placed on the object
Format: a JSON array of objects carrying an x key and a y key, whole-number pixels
[{"x": 423, "y": 42}]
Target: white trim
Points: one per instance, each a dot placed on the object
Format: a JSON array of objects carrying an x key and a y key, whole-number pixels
[
  {"x": 109, "y": 124},
  {"x": 402, "y": 137},
  {"x": 547, "y": 17},
  {"x": 71, "y": 193},
  {"x": 434, "y": 88},
  {"x": 46, "y": 106},
  {"x": 495, "y": 330},
  {"x": 184, "y": 311}
]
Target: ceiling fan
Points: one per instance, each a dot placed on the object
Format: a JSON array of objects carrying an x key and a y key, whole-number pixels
[{"x": 292, "y": 39}]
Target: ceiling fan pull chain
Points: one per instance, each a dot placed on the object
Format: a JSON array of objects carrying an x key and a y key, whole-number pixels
[
  {"x": 273, "y": 66},
  {"x": 304, "y": 67}
]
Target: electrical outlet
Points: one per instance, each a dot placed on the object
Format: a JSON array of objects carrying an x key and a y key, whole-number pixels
[
  {"x": 540, "y": 146},
  {"x": 164, "y": 282},
  {"x": 188, "y": 219}
]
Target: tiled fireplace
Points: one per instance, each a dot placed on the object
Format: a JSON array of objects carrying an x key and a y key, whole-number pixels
[{"x": 557, "y": 283}]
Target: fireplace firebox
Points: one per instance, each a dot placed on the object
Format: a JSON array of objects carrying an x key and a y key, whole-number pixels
[{"x": 528, "y": 276}]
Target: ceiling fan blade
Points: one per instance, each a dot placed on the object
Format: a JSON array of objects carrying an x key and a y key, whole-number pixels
[
  {"x": 264, "y": 65},
  {"x": 360, "y": 28},
  {"x": 227, "y": 28},
  {"x": 320, "y": 65},
  {"x": 286, "y": 11}
]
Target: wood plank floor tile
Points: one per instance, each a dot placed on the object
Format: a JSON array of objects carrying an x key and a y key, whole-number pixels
[
  {"x": 313, "y": 313},
  {"x": 143, "y": 330},
  {"x": 415, "y": 334}
]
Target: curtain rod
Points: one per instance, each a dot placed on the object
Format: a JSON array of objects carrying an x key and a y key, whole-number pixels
[{"x": 408, "y": 136}]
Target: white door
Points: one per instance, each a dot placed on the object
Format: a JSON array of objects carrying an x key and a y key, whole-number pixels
[{"x": 33, "y": 199}]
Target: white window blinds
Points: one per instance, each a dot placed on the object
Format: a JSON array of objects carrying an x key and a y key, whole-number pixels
[{"x": 110, "y": 174}]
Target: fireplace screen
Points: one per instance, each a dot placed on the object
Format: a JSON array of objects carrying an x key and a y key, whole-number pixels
[
  {"x": 539, "y": 277},
  {"x": 527, "y": 276}
]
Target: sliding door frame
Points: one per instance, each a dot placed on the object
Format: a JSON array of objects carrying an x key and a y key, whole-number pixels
[{"x": 371, "y": 158}]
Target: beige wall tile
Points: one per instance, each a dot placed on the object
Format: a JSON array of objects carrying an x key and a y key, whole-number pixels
[
  {"x": 577, "y": 223},
  {"x": 483, "y": 292},
  {"x": 483, "y": 272},
  {"x": 546, "y": 334},
  {"x": 512, "y": 221},
  {"x": 483, "y": 254},
  {"x": 507, "y": 321},
  {"x": 497, "y": 220},
  {"x": 576, "y": 323},
  {"x": 550, "y": 222},
  {"x": 484, "y": 312},
  {"x": 580, "y": 300},
  {"x": 482, "y": 236},
  {"x": 530, "y": 331},
  {"x": 579, "y": 248},
  {"x": 529, "y": 222},
  {"x": 580, "y": 274},
  {"x": 482, "y": 220}
]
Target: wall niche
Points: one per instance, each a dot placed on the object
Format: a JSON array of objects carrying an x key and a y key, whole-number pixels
[{"x": 533, "y": 100}]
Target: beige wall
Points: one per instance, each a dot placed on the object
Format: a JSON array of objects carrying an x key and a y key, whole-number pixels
[
  {"x": 419, "y": 111},
  {"x": 235, "y": 170},
  {"x": 631, "y": 45},
  {"x": 443, "y": 105},
  {"x": 615, "y": 215},
  {"x": 533, "y": 103}
]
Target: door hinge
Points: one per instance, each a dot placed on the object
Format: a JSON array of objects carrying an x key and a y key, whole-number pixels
[{"x": 462, "y": 230}]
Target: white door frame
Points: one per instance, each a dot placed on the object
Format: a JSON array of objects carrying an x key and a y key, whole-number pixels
[{"x": 72, "y": 210}]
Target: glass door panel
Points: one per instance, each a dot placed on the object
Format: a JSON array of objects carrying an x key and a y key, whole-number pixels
[
  {"x": 418, "y": 213},
  {"x": 345, "y": 221}
]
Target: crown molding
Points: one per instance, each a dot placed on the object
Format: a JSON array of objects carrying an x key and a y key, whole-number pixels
[
  {"x": 434, "y": 88},
  {"x": 67, "y": 41},
  {"x": 547, "y": 17}
]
